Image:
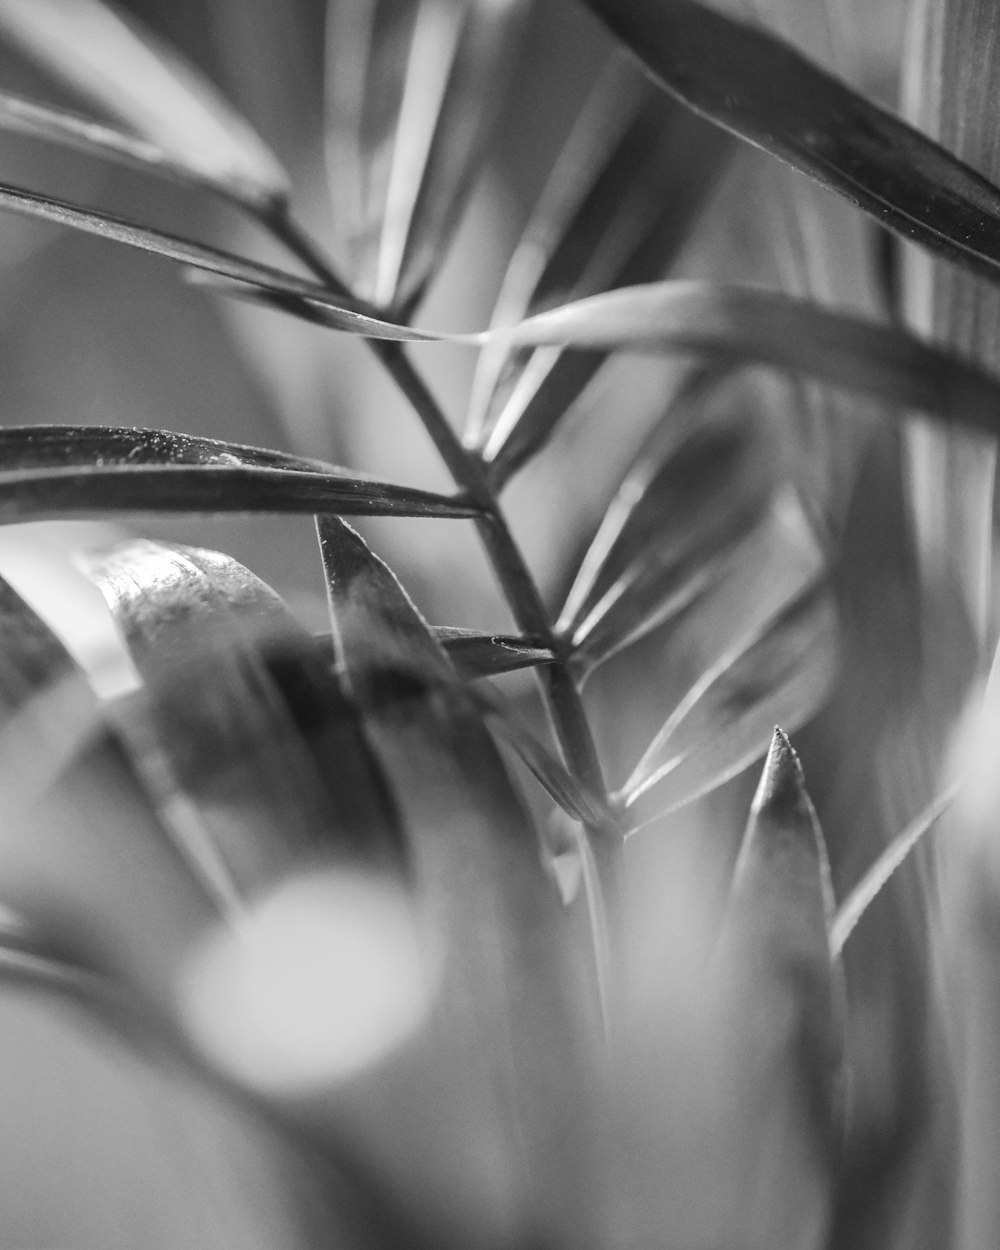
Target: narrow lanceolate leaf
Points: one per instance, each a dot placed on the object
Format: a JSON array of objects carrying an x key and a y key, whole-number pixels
[
  {"x": 693, "y": 584},
  {"x": 130, "y": 73},
  {"x": 782, "y": 997},
  {"x": 781, "y": 671},
  {"x": 619, "y": 206},
  {"x": 761, "y": 89},
  {"x": 951, "y": 79},
  {"x": 726, "y": 324},
  {"x": 240, "y": 732},
  {"x": 504, "y": 1034},
  {"x": 879, "y": 874},
  {"x": 742, "y": 324},
  {"x": 346, "y": 315},
  {"x": 412, "y": 88},
  {"x": 487, "y": 655},
  {"x": 105, "y": 446},
  {"x": 83, "y": 489},
  {"x": 683, "y": 510}
]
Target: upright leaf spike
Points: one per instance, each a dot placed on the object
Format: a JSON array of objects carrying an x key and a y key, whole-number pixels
[
  {"x": 783, "y": 844},
  {"x": 782, "y": 1011}
]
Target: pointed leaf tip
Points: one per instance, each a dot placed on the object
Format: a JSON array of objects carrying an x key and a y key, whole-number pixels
[
  {"x": 781, "y": 791},
  {"x": 783, "y": 838}
]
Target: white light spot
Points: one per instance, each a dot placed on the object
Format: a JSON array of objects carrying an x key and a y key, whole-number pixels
[{"x": 323, "y": 978}]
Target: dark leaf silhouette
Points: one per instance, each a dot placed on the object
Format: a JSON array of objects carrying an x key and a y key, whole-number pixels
[
  {"x": 759, "y": 88},
  {"x": 67, "y": 470}
]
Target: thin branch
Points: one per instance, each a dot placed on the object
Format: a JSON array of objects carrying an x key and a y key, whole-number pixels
[{"x": 562, "y": 697}]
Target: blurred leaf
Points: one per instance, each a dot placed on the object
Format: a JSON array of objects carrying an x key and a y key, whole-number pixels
[
  {"x": 729, "y": 325},
  {"x": 784, "y": 1005},
  {"x": 759, "y": 88},
  {"x": 504, "y": 1044},
  {"x": 681, "y": 516},
  {"x": 134, "y": 76},
  {"x": 42, "y": 121},
  {"x": 821, "y": 248},
  {"x": 626, "y": 191},
  {"x": 548, "y": 771},
  {"x": 412, "y": 88},
  {"x": 878, "y": 875},
  {"x": 691, "y": 584},
  {"x": 28, "y": 958},
  {"x": 240, "y": 731},
  {"x": 121, "y": 469},
  {"x": 477, "y": 655},
  {"x": 742, "y": 324},
  {"x": 47, "y": 710},
  {"x": 780, "y": 671},
  {"x": 950, "y": 83}
]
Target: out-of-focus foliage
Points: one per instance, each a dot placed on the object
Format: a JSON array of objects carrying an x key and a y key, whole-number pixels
[{"x": 384, "y": 887}]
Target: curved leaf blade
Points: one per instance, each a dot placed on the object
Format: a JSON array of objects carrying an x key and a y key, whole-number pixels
[
  {"x": 341, "y": 313},
  {"x": 240, "y": 731},
  {"x": 759, "y": 88},
  {"x": 621, "y": 202},
  {"x": 693, "y": 584},
  {"x": 742, "y": 324},
  {"x": 412, "y": 89},
  {"x": 138, "y": 79},
  {"x": 727, "y": 325},
  {"x": 781, "y": 671},
  {"x": 208, "y": 488},
  {"x": 691, "y": 503}
]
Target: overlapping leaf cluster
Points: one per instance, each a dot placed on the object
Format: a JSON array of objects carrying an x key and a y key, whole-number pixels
[{"x": 385, "y": 746}]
